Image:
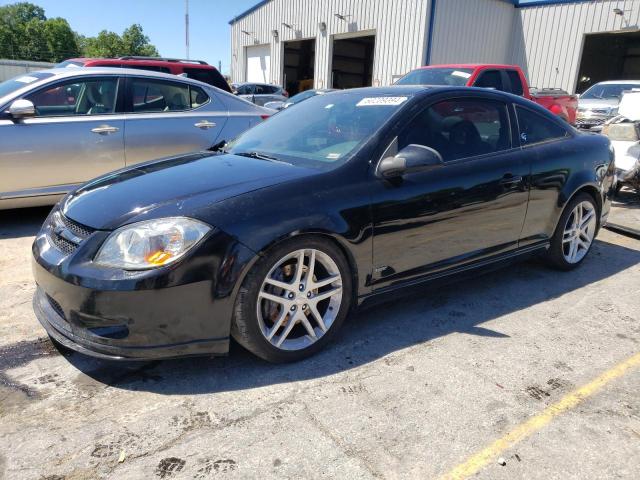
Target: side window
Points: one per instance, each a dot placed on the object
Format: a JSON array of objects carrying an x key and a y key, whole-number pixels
[
  {"x": 77, "y": 97},
  {"x": 490, "y": 79},
  {"x": 516, "y": 83},
  {"x": 198, "y": 97},
  {"x": 160, "y": 96},
  {"x": 261, "y": 90},
  {"x": 245, "y": 90},
  {"x": 535, "y": 128},
  {"x": 460, "y": 128}
]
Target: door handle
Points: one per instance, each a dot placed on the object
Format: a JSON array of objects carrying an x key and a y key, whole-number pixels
[
  {"x": 509, "y": 179},
  {"x": 105, "y": 129},
  {"x": 204, "y": 124}
]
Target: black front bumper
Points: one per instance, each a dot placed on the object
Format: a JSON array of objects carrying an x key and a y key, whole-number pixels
[
  {"x": 62, "y": 331},
  {"x": 176, "y": 311}
]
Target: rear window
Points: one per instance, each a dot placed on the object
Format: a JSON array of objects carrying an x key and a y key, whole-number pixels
[
  {"x": 437, "y": 76},
  {"x": 210, "y": 76}
]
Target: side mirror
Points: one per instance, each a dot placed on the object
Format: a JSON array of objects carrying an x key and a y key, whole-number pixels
[
  {"x": 411, "y": 159},
  {"x": 22, "y": 108}
]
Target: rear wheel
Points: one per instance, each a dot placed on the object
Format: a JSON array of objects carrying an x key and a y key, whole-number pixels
[
  {"x": 293, "y": 301},
  {"x": 575, "y": 233}
]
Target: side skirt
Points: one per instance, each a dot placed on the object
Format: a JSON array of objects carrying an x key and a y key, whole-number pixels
[{"x": 452, "y": 275}]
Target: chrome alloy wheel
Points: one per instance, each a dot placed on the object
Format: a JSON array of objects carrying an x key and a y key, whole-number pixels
[
  {"x": 299, "y": 299},
  {"x": 579, "y": 232}
]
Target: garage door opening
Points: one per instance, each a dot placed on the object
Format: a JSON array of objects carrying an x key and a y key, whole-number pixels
[
  {"x": 299, "y": 61},
  {"x": 258, "y": 64},
  {"x": 352, "y": 63},
  {"x": 609, "y": 56}
]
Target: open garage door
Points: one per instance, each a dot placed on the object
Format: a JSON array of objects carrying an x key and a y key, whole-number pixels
[
  {"x": 299, "y": 60},
  {"x": 352, "y": 62},
  {"x": 609, "y": 56},
  {"x": 258, "y": 64}
]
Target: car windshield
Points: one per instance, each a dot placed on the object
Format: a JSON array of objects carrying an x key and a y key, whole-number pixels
[
  {"x": 324, "y": 130},
  {"x": 9, "y": 86},
  {"x": 437, "y": 76},
  {"x": 600, "y": 91}
]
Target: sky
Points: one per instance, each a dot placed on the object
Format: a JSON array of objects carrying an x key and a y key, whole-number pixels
[{"x": 161, "y": 20}]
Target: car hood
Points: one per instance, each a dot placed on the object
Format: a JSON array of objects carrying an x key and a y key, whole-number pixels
[
  {"x": 598, "y": 102},
  {"x": 169, "y": 186}
]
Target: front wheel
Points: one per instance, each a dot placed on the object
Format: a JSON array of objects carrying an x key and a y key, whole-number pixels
[
  {"x": 575, "y": 233},
  {"x": 293, "y": 301}
]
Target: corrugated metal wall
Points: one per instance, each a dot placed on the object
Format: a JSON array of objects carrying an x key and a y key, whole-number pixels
[
  {"x": 472, "y": 31},
  {"x": 548, "y": 39},
  {"x": 13, "y": 68},
  {"x": 400, "y": 27}
]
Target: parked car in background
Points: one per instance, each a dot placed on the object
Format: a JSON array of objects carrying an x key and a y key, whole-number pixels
[
  {"x": 599, "y": 102},
  {"x": 344, "y": 198},
  {"x": 279, "y": 105},
  {"x": 260, "y": 93},
  {"x": 506, "y": 78},
  {"x": 62, "y": 127},
  {"x": 195, "y": 69},
  {"x": 624, "y": 133}
]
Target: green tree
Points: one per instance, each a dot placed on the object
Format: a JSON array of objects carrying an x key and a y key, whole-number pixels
[
  {"x": 14, "y": 21},
  {"x": 106, "y": 44},
  {"x": 60, "y": 39},
  {"x": 135, "y": 42},
  {"x": 27, "y": 34}
]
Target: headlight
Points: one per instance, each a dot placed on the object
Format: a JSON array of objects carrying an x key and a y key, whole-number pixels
[{"x": 151, "y": 244}]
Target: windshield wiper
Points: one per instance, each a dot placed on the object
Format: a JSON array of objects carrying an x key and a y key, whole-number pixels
[{"x": 260, "y": 156}]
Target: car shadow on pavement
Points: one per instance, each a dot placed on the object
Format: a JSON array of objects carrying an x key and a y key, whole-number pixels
[
  {"x": 22, "y": 222},
  {"x": 375, "y": 332}
]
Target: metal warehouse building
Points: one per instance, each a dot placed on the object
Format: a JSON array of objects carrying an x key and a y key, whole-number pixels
[{"x": 568, "y": 44}]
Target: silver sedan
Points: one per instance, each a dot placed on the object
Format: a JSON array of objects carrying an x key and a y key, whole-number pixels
[{"x": 62, "y": 127}]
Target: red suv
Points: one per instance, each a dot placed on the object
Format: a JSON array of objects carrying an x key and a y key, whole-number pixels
[{"x": 196, "y": 69}]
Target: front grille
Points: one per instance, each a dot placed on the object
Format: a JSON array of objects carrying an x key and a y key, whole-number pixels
[
  {"x": 590, "y": 121},
  {"x": 56, "y": 306},
  {"x": 65, "y": 234},
  {"x": 65, "y": 246},
  {"x": 77, "y": 228}
]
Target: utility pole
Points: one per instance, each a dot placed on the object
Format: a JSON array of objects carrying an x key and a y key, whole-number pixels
[{"x": 186, "y": 26}]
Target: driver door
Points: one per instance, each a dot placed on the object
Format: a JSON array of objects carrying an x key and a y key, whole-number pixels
[
  {"x": 469, "y": 208},
  {"x": 76, "y": 134}
]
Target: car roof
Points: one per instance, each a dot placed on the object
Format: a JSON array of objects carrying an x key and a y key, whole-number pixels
[
  {"x": 143, "y": 61},
  {"x": 618, "y": 82},
  {"x": 64, "y": 72},
  {"x": 256, "y": 83},
  {"x": 471, "y": 66}
]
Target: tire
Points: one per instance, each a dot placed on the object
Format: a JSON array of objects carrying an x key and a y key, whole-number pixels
[
  {"x": 298, "y": 301},
  {"x": 560, "y": 252}
]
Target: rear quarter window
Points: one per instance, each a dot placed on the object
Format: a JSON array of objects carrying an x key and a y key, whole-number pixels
[{"x": 535, "y": 128}]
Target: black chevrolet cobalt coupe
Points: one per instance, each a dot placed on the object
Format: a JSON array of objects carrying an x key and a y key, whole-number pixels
[{"x": 276, "y": 237}]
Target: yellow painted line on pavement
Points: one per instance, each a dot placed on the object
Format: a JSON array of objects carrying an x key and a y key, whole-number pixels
[{"x": 481, "y": 459}]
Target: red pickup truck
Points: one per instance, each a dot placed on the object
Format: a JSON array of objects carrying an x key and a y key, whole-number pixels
[{"x": 508, "y": 78}]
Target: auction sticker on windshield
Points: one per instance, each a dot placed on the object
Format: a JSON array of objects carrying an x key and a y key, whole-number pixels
[
  {"x": 379, "y": 101},
  {"x": 26, "y": 79}
]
